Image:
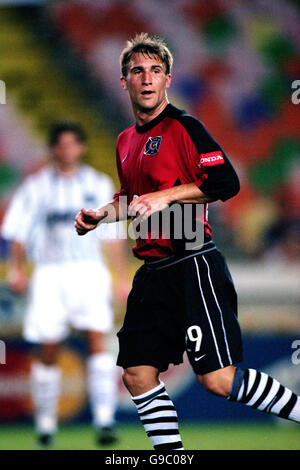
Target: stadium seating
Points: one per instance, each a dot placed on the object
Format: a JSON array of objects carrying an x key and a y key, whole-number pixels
[
  {"x": 43, "y": 93},
  {"x": 234, "y": 65}
]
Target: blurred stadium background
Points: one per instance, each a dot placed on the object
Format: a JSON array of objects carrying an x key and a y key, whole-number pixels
[{"x": 235, "y": 62}]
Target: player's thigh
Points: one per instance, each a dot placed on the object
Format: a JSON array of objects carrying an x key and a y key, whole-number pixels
[
  {"x": 45, "y": 319},
  {"x": 151, "y": 333},
  {"x": 213, "y": 336},
  {"x": 90, "y": 308}
]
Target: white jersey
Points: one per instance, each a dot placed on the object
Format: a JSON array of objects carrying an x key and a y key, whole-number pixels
[{"x": 42, "y": 212}]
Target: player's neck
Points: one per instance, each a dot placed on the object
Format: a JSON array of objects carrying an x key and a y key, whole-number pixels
[
  {"x": 143, "y": 116},
  {"x": 66, "y": 170}
]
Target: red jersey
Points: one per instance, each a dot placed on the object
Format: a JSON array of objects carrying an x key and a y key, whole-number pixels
[{"x": 174, "y": 148}]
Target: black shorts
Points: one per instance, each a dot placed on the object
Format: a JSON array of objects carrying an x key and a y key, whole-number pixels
[{"x": 182, "y": 304}]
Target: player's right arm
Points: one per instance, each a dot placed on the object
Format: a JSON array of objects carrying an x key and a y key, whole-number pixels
[
  {"x": 16, "y": 275},
  {"x": 17, "y": 225},
  {"x": 88, "y": 219},
  {"x": 114, "y": 211}
]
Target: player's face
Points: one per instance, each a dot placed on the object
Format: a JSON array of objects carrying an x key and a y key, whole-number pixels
[
  {"x": 68, "y": 149},
  {"x": 146, "y": 82}
]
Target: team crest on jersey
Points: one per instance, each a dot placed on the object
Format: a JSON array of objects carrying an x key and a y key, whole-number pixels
[{"x": 152, "y": 145}]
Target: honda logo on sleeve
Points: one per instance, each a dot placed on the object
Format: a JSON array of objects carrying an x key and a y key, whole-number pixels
[{"x": 212, "y": 158}]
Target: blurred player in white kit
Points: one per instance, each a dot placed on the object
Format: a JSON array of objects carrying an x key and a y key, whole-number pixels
[{"x": 71, "y": 285}]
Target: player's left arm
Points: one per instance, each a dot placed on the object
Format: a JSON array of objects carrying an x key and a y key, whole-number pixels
[
  {"x": 204, "y": 163},
  {"x": 207, "y": 163},
  {"x": 116, "y": 254},
  {"x": 147, "y": 204},
  {"x": 113, "y": 236}
]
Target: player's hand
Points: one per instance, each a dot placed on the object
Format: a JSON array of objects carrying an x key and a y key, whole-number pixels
[
  {"x": 87, "y": 220},
  {"x": 122, "y": 289},
  {"x": 147, "y": 204},
  {"x": 17, "y": 281}
]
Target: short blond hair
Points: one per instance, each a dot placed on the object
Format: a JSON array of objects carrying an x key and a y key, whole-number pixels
[{"x": 148, "y": 45}]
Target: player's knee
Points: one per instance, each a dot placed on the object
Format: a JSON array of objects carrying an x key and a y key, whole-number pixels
[
  {"x": 48, "y": 354},
  {"x": 138, "y": 381},
  {"x": 133, "y": 378},
  {"x": 48, "y": 360},
  {"x": 212, "y": 386},
  {"x": 218, "y": 382}
]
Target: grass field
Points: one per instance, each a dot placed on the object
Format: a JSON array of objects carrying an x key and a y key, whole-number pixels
[{"x": 195, "y": 437}]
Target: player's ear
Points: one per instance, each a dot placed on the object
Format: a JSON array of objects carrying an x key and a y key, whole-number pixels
[
  {"x": 123, "y": 82},
  {"x": 168, "y": 80},
  {"x": 83, "y": 149}
]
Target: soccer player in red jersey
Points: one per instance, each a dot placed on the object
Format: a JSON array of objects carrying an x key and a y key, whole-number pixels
[{"x": 182, "y": 299}]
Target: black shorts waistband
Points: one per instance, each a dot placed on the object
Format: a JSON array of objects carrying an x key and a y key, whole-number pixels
[{"x": 174, "y": 259}]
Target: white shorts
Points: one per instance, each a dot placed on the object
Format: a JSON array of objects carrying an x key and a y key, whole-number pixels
[{"x": 65, "y": 295}]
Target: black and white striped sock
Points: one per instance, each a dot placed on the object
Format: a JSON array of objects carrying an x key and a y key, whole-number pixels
[
  {"x": 159, "y": 417},
  {"x": 262, "y": 392}
]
